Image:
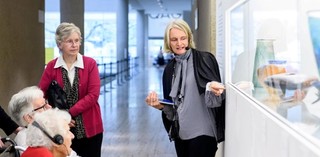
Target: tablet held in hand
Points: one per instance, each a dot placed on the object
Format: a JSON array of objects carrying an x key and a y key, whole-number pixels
[{"x": 166, "y": 102}]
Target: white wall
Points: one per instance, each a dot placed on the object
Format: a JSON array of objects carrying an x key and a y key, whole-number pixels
[{"x": 254, "y": 131}]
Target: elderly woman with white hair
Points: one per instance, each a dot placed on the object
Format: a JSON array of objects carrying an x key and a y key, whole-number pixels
[
  {"x": 49, "y": 135},
  {"x": 22, "y": 107}
]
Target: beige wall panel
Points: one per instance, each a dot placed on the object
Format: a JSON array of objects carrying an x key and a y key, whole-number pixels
[
  {"x": 213, "y": 29},
  {"x": 21, "y": 46},
  {"x": 203, "y": 13}
]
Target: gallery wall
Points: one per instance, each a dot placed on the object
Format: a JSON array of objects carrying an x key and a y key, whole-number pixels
[
  {"x": 203, "y": 25},
  {"x": 21, "y": 46}
]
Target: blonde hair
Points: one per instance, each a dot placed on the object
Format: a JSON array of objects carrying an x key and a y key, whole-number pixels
[{"x": 181, "y": 25}]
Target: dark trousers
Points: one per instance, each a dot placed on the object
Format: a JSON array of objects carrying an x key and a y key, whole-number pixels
[
  {"x": 88, "y": 147},
  {"x": 201, "y": 146}
]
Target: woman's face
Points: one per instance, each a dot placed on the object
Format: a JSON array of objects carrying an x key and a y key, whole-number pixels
[
  {"x": 39, "y": 105},
  {"x": 65, "y": 148},
  {"x": 178, "y": 41},
  {"x": 71, "y": 45},
  {"x": 68, "y": 137}
]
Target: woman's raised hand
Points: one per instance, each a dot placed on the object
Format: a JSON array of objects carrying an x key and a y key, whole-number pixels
[{"x": 153, "y": 100}]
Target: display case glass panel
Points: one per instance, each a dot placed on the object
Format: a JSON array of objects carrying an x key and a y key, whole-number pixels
[{"x": 274, "y": 56}]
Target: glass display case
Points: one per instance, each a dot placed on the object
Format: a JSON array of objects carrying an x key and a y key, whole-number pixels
[{"x": 273, "y": 56}]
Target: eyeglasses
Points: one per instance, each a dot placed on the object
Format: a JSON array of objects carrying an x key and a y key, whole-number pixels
[
  {"x": 71, "y": 42},
  {"x": 41, "y": 107}
]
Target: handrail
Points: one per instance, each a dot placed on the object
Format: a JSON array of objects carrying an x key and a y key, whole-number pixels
[{"x": 120, "y": 70}]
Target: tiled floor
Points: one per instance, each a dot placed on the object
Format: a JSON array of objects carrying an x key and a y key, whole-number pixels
[{"x": 131, "y": 128}]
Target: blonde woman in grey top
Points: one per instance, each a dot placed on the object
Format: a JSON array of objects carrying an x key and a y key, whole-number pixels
[{"x": 192, "y": 81}]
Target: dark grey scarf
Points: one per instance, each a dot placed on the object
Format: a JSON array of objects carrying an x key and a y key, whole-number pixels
[
  {"x": 179, "y": 78},
  {"x": 72, "y": 98}
]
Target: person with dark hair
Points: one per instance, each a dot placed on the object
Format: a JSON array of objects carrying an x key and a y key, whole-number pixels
[
  {"x": 7, "y": 124},
  {"x": 195, "y": 121},
  {"x": 160, "y": 57}
]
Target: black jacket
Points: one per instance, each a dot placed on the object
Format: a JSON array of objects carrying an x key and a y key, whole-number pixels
[
  {"x": 6, "y": 123},
  {"x": 206, "y": 69}
]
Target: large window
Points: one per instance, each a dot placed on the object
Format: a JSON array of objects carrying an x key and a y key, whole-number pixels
[{"x": 99, "y": 35}]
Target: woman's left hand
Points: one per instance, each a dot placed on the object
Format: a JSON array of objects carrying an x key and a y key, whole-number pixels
[
  {"x": 72, "y": 123},
  {"x": 216, "y": 88},
  {"x": 1, "y": 143}
]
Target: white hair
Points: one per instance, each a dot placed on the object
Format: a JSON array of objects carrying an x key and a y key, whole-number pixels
[
  {"x": 53, "y": 122},
  {"x": 21, "y": 103}
]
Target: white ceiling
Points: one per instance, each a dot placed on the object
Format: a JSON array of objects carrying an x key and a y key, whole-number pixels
[
  {"x": 169, "y": 6},
  {"x": 149, "y": 6}
]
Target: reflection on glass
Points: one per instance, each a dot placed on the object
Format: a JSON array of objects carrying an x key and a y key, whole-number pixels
[
  {"x": 264, "y": 53},
  {"x": 237, "y": 43},
  {"x": 267, "y": 46},
  {"x": 314, "y": 25}
]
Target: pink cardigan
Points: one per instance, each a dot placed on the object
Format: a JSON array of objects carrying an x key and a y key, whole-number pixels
[{"x": 89, "y": 91}]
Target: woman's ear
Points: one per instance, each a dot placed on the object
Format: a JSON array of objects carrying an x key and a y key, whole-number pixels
[
  {"x": 59, "y": 46},
  {"x": 55, "y": 145},
  {"x": 28, "y": 118}
]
